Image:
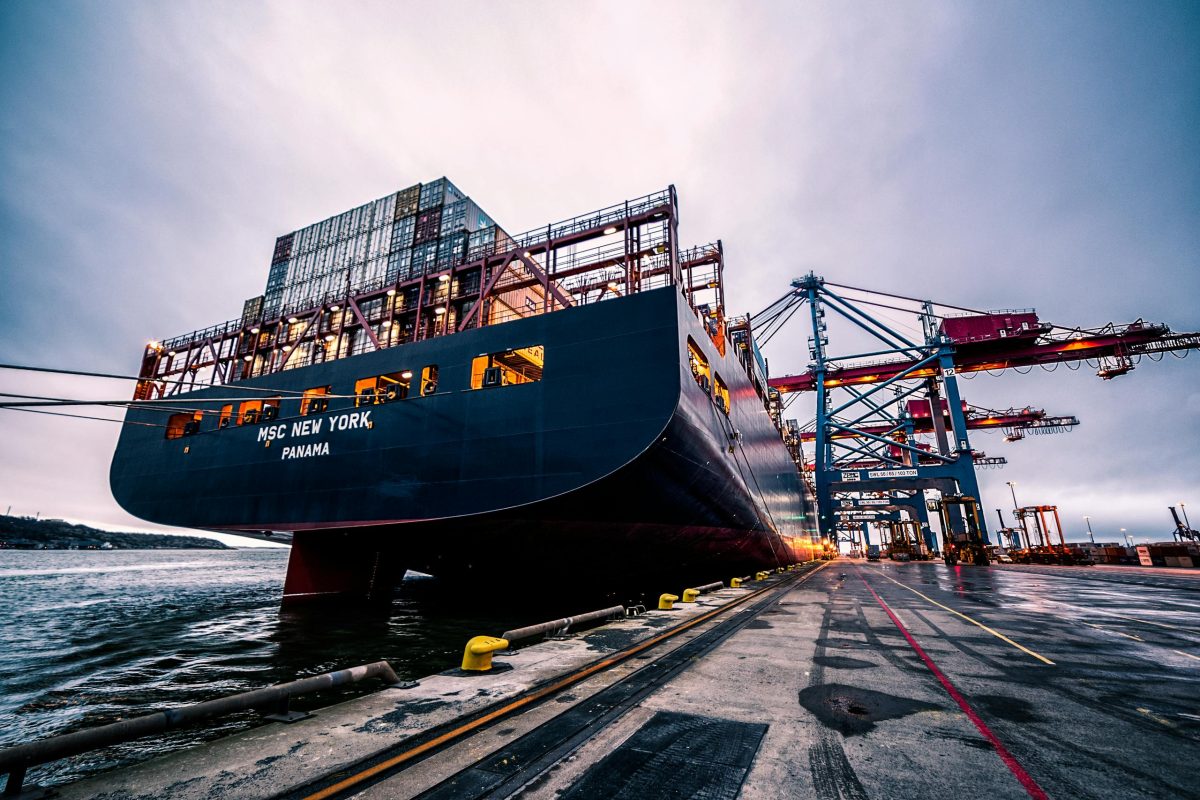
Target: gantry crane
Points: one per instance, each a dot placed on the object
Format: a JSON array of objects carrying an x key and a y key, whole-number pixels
[{"x": 863, "y": 430}]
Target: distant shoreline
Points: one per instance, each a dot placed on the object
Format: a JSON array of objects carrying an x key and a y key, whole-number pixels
[{"x": 28, "y": 533}]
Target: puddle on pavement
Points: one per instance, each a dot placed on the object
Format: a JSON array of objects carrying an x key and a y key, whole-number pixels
[{"x": 853, "y": 711}]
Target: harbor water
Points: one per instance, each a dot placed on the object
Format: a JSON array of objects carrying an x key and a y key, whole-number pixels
[{"x": 90, "y": 637}]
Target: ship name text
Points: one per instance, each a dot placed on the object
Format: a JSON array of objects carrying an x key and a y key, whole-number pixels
[{"x": 312, "y": 427}]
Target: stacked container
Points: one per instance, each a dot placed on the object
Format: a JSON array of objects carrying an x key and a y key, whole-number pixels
[{"x": 423, "y": 229}]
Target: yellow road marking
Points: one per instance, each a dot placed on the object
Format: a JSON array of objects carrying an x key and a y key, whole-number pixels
[
  {"x": 992, "y": 631},
  {"x": 1157, "y": 718},
  {"x": 1189, "y": 655},
  {"x": 1118, "y": 633},
  {"x": 1147, "y": 621}
]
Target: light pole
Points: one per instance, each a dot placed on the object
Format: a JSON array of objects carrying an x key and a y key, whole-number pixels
[
  {"x": 1011, "y": 484},
  {"x": 1128, "y": 539},
  {"x": 1183, "y": 508},
  {"x": 1088, "y": 520}
]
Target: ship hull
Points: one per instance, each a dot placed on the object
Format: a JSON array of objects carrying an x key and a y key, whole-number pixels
[{"x": 616, "y": 468}]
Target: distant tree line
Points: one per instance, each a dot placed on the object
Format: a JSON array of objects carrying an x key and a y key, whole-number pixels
[{"x": 27, "y": 533}]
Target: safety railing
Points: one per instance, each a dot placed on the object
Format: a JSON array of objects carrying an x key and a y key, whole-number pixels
[{"x": 16, "y": 760}]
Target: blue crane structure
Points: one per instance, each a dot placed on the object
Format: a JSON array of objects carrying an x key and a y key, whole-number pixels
[{"x": 865, "y": 450}]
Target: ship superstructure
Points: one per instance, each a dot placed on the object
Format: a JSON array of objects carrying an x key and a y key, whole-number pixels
[{"x": 416, "y": 388}]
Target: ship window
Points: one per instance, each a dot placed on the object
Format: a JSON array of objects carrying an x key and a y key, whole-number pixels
[
  {"x": 249, "y": 412},
  {"x": 364, "y": 391},
  {"x": 720, "y": 393},
  {"x": 184, "y": 424},
  {"x": 394, "y": 386},
  {"x": 314, "y": 400},
  {"x": 508, "y": 367},
  {"x": 699, "y": 365},
  {"x": 429, "y": 380},
  {"x": 226, "y": 416},
  {"x": 382, "y": 388},
  {"x": 270, "y": 409}
]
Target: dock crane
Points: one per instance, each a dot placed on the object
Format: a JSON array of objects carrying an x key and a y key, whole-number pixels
[{"x": 863, "y": 427}]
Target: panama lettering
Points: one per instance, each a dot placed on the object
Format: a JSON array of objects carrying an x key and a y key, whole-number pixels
[{"x": 350, "y": 421}]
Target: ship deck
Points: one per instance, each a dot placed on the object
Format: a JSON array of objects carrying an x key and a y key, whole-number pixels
[{"x": 843, "y": 679}]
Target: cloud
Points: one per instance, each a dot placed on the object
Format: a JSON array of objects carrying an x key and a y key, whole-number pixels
[{"x": 995, "y": 156}]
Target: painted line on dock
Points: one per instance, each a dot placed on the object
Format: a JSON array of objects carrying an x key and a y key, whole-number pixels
[
  {"x": 1118, "y": 633},
  {"x": 1115, "y": 615},
  {"x": 1026, "y": 780},
  {"x": 975, "y": 622},
  {"x": 539, "y": 694}
]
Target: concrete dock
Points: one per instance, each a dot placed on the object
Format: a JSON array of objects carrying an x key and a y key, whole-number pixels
[{"x": 839, "y": 680}]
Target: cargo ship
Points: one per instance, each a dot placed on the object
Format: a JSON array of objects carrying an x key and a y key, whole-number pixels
[{"x": 418, "y": 389}]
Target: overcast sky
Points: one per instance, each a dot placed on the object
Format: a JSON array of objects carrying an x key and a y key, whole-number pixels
[{"x": 993, "y": 155}]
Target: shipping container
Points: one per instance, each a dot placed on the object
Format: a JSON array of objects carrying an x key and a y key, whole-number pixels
[
  {"x": 452, "y": 250},
  {"x": 454, "y": 218},
  {"x": 399, "y": 265},
  {"x": 429, "y": 225},
  {"x": 403, "y": 232},
  {"x": 283, "y": 247},
  {"x": 413, "y": 232},
  {"x": 986, "y": 327},
  {"x": 424, "y": 258},
  {"x": 252, "y": 310},
  {"x": 439, "y": 192},
  {"x": 407, "y": 202}
]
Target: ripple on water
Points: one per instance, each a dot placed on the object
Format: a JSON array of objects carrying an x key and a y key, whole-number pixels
[{"x": 96, "y": 636}]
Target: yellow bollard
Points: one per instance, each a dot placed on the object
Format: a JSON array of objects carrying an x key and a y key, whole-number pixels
[
  {"x": 690, "y": 595},
  {"x": 666, "y": 602},
  {"x": 478, "y": 655},
  {"x": 761, "y": 576},
  {"x": 735, "y": 583}
]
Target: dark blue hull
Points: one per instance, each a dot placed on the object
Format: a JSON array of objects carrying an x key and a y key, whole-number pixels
[{"x": 616, "y": 460}]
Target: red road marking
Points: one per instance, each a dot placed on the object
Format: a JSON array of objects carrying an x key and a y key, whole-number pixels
[{"x": 1009, "y": 760}]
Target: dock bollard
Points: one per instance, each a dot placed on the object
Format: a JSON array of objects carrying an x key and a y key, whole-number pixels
[
  {"x": 690, "y": 595},
  {"x": 761, "y": 576},
  {"x": 735, "y": 583},
  {"x": 666, "y": 602},
  {"x": 477, "y": 657}
]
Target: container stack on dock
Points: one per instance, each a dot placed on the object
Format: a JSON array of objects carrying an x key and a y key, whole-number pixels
[{"x": 416, "y": 231}]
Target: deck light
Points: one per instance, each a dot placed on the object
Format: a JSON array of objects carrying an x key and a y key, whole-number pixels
[
  {"x": 391, "y": 292},
  {"x": 387, "y": 323},
  {"x": 334, "y": 308},
  {"x": 329, "y": 337},
  {"x": 406, "y": 374},
  {"x": 254, "y": 330},
  {"x": 153, "y": 345},
  {"x": 443, "y": 278},
  {"x": 287, "y": 348},
  {"x": 439, "y": 311},
  {"x": 247, "y": 358},
  {"x": 293, "y": 320},
  {"x": 611, "y": 229},
  {"x": 612, "y": 284}
]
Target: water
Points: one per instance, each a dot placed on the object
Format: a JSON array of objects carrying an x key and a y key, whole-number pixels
[{"x": 89, "y": 637}]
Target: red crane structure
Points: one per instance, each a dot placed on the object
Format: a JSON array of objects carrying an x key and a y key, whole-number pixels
[{"x": 870, "y": 405}]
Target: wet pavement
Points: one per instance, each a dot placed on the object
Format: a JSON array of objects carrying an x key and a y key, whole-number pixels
[{"x": 853, "y": 681}]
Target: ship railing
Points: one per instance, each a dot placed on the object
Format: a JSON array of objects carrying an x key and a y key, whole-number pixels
[
  {"x": 557, "y": 255},
  {"x": 15, "y": 761},
  {"x": 593, "y": 219},
  {"x": 556, "y": 230}
]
